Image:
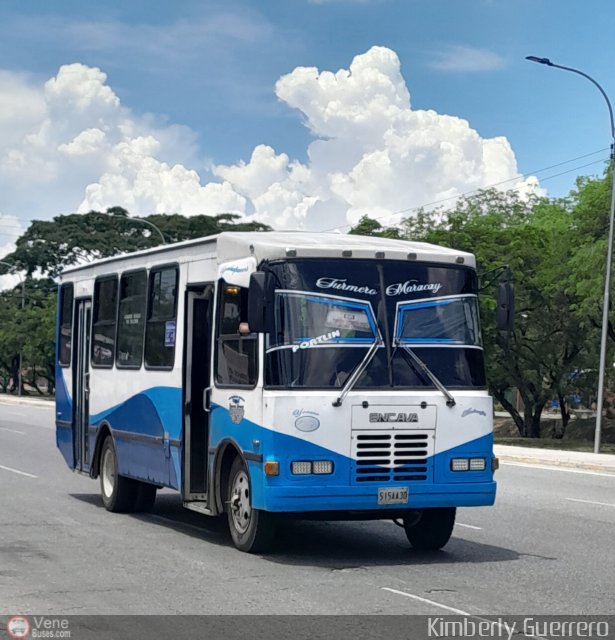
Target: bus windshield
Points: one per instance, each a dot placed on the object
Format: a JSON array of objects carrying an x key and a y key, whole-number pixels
[
  {"x": 440, "y": 321},
  {"x": 332, "y": 317},
  {"x": 305, "y": 320}
]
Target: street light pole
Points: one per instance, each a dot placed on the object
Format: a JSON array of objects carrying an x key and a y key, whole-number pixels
[
  {"x": 142, "y": 221},
  {"x": 609, "y": 259},
  {"x": 23, "y": 304}
]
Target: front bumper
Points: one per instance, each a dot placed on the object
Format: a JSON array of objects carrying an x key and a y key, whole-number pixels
[{"x": 362, "y": 498}]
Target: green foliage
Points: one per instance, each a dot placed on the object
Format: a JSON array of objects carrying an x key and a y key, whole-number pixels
[
  {"x": 370, "y": 227},
  {"x": 48, "y": 246},
  {"x": 537, "y": 239},
  {"x": 29, "y": 330}
]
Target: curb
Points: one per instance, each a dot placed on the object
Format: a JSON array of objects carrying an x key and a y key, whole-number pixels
[
  {"x": 25, "y": 400},
  {"x": 564, "y": 464}
]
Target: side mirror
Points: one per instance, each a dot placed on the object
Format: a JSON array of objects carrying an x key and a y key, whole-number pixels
[
  {"x": 257, "y": 301},
  {"x": 505, "y": 314}
]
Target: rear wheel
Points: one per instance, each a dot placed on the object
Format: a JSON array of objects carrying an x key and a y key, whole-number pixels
[
  {"x": 252, "y": 530},
  {"x": 118, "y": 493},
  {"x": 432, "y": 530}
]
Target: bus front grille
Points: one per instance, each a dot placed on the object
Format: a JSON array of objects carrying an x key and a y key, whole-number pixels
[{"x": 391, "y": 456}]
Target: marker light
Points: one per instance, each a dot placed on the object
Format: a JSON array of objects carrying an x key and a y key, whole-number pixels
[
  {"x": 478, "y": 464},
  {"x": 272, "y": 468},
  {"x": 323, "y": 467},
  {"x": 232, "y": 291},
  {"x": 460, "y": 464},
  {"x": 301, "y": 468}
]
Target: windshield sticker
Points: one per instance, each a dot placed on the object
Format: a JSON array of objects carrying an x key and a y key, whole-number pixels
[
  {"x": 337, "y": 283},
  {"x": 396, "y": 289},
  {"x": 312, "y": 342},
  {"x": 412, "y": 286}
]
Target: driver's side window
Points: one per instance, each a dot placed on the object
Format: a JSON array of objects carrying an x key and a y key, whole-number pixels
[{"x": 236, "y": 362}]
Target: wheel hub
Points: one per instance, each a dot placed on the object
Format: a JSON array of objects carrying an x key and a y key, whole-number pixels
[
  {"x": 108, "y": 473},
  {"x": 241, "y": 511}
]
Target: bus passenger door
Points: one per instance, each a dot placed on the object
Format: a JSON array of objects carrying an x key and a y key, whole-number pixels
[
  {"x": 81, "y": 393},
  {"x": 199, "y": 307}
]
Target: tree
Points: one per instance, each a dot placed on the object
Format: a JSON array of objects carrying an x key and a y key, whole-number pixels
[
  {"x": 48, "y": 246},
  {"x": 28, "y": 332},
  {"x": 369, "y": 227},
  {"x": 532, "y": 236}
]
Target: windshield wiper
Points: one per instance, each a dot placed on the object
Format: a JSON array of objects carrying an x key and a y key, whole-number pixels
[
  {"x": 356, "y": 374},
  {"x": 423, "y": 368}
]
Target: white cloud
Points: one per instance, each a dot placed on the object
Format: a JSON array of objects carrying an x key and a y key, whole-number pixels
[
  {"x": 77, "y": 147},
  {"x": 73, "y": 145},
  {"x": 373, "y": 153},
  {"x": 461, "y": 59},
  {"x": 9, "y": 228}
]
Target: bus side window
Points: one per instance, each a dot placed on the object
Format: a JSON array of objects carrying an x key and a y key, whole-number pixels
[
  {"x": 161, "y": 326},
  {"x": 66, "y": 324},
  {"x": 131, "y": 320},
  {"x": 104, "y": 321},
  {"x": 236, "y": 352}
]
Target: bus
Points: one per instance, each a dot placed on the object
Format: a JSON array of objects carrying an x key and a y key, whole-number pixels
[{"x": 266, "y": 375}]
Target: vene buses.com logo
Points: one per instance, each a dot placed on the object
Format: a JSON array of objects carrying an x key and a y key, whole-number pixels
[{"x": 18, "y": 627}]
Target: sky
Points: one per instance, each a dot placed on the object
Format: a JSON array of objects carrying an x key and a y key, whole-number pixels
[{"x": 304, "y": 114}]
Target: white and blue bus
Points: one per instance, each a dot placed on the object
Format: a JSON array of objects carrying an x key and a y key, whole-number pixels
[{"x": 270, "y": 375}]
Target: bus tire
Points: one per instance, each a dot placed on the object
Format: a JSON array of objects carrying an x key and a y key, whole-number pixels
[
  {"x": 146, "y": 496},
  {"x": 433, "y": 529},
  {"x": 119, "y": 494},
  {"x": 252, "y": 530}
]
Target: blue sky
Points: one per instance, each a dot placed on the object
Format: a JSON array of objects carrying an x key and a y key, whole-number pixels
[{"x": 200, "y": 77}]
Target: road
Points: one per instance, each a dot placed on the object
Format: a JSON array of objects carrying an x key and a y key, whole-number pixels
[{"x": 545, "y": 548}]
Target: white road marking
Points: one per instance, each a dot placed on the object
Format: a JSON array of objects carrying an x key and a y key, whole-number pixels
[
  {"x": 431, "y": 602},
  {"x": 602, "y": 504},
  {"x": 457, "y": 524},
  {"x": 23, "y": 433},
  {"x": 555, "y": 468},
  {"x": 21, "y": 473}
]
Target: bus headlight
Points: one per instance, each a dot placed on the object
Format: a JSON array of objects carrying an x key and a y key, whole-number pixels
[
  {"x": 323, "y": 467},
  {"x": 307, "y": 467},
  {"x": 478, "y": 464},
  {"x": 468, "y": 464},
  {"x": 301, "y": 467},
  {"x": 460, "y": 464}
]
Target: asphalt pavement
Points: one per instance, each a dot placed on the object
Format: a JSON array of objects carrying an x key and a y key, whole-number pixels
[{"x": 546, "y": 547}]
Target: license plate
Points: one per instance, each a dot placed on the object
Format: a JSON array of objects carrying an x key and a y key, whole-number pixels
[{"x": 395, "y": 495}]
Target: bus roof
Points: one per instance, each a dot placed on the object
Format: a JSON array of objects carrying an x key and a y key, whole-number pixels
[{"x": 234, "y": 245}]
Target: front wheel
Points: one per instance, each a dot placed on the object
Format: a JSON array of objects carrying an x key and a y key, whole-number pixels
[
  {"x": 432, "y": 530},
  {"x": 252, "y": 530},
  {"x": 118, "y": 493}
]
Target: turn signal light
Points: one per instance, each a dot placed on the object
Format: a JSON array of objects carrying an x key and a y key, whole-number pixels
[{"x": 272, "y": 468}]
